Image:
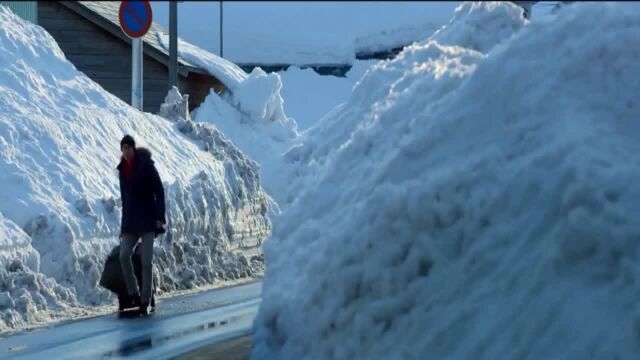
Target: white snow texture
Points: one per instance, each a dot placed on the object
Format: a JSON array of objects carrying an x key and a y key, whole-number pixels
[
  {"x": 256, "y": 96},
  {"x": 249, "y": 112},
  {"x": 475, "y": 199},
  {"x": 59, "y": 205}
]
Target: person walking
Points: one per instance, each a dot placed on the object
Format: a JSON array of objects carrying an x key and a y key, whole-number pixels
[{"x": 143, "y": 218}]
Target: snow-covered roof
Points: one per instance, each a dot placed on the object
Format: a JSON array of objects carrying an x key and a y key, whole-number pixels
[{"x": 105, "y": 15}]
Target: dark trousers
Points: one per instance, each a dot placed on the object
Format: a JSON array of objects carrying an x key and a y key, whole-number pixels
[{"x": 126, "y": 252}]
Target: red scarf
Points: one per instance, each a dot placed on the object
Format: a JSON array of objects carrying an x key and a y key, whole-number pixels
[{"x": 127, "y": 169}]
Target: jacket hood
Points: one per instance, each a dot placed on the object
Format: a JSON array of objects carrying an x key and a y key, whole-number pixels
[{"x": 142, "y": 154}]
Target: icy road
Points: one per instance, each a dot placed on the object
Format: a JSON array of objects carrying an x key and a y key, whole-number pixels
[{"x": 180, "y": 325}]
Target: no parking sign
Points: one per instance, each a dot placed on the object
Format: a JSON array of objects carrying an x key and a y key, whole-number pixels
[
  {"x": 135, "y": 21},
  {"x": 135, "y": 18}
]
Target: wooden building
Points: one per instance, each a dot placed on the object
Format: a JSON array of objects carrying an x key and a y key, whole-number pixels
[
  {"x": 89, "y": 34},
  {"x": 27, "y": 10}
]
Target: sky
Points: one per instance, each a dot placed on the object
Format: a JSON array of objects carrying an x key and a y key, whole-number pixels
[{"x": 251, "y": 28}]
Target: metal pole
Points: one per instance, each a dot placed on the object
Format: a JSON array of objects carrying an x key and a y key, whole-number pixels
[
  {"x": 173, "y": 44},
  {"x": 221, "y": 47},
  {"x": 136, "y": 73}
]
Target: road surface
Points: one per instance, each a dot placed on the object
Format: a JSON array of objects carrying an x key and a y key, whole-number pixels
[{"x": 190, "y": 326}]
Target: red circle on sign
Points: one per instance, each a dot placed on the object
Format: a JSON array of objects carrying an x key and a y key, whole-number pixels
[{"x": 124, "y": 6}]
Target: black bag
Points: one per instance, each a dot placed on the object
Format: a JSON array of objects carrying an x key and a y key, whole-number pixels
[{"x": 112, "y": 278}]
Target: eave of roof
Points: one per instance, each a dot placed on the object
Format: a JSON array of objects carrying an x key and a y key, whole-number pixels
[{"x": 105, "y": 15}]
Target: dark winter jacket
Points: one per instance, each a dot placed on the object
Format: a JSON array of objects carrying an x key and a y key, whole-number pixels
[{"x": 142, "y": 196}]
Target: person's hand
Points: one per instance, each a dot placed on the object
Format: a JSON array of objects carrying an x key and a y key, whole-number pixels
[{"x": 159, "y": 227}]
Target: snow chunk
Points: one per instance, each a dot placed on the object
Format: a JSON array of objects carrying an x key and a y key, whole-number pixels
[
  {"x": 481, "y": 25},
  {"x": 259, "y": 98},
  {"x": 15, "y": 245},
  {"x": 175, "y": 106}
]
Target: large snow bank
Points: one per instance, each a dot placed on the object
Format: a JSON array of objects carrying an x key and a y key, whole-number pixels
[
  {"x": 307, "y": 158},
  {"x": 59, "y": 204},
  {"x": 483, "y": 207},
  {"x": 477, "y": 26}
]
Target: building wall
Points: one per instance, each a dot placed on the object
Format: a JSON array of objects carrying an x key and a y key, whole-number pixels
[
  {"x": 198, "y": 87},
  {"x": 27, "y": 10},
  {"x": 106, "y": 59}
]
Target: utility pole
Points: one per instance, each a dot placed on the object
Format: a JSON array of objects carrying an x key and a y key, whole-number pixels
[
  {"x": 173, "y": 43},
  {"x": 221, "y": 45}
]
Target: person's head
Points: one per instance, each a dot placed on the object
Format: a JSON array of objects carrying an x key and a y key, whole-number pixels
[{"x": 128, "y": 147}]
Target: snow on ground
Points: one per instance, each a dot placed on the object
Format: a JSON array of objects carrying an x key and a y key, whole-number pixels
[
  {"x": 304, "y": 32},
  {"x": 476, "y": 204},
  {"x": 59, "y": 205}
]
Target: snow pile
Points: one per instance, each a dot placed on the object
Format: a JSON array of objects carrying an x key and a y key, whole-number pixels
[
  {"x": 16, "y": 245},
  {"x": 260, "y": 141},
  {"x": 59, "y": 205},
  {"x": 256, "y": 96},
  {"x": 480, "y": 25},
  {"x": 308, "y": 156},
  {"x": 259, "y": 98},
  {"x": 251, "y": 113},
  {"x": 309, "y": 95},
  {"x": 175, "y": 105},
  {"x": 484, "y": 206},
  {"x": 23, "y": 291}
]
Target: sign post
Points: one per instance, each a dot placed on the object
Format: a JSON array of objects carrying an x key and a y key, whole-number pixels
[{"x": 135, "y": 21}]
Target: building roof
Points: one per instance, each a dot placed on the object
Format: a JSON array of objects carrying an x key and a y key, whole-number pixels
[{"x": 105, "y": 15}]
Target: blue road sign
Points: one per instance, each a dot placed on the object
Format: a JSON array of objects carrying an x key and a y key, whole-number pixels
[{"x": 135, "y": 18}]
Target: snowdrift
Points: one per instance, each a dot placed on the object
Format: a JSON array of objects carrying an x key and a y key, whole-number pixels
[
  {"x": 481, "y": 205},
  {"x": 59, "y": 204},
  {"x": 250, "y": 112}
]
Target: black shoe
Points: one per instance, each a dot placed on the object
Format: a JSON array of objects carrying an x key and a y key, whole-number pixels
[
  {"x": 122, "y": 302},
  {"x": 128, "y": 302}
]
